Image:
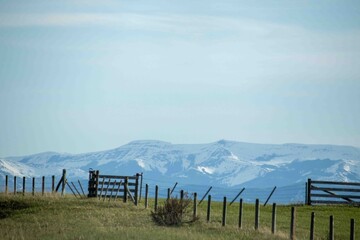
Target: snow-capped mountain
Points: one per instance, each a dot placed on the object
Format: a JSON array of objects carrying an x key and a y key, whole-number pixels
[{"x": 222, "y": 163}]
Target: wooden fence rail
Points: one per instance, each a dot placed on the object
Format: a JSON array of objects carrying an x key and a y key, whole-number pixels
[
  {"x": 113, "y": 186},
  {"x": 330, "y": 192}
]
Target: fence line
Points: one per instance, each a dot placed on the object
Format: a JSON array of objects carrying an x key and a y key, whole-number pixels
[
  {"x": 162, "y": 193},
  {"x": 22, "y": 186},
  {"x": 31, "y": 185},
  {"x": 28, "y": 185},
  {"x": 283, "y": 195}
]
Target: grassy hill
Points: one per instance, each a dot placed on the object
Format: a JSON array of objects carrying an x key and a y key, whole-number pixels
[{"x": 54, "y": 217}]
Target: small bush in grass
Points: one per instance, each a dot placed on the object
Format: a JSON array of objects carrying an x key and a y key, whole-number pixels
[{"x": 174, "y": 212}]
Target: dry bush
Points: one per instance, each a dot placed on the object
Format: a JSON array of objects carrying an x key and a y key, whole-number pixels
[{"x": 174, "y": 212}]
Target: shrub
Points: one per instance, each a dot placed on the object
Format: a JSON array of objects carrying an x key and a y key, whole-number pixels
[{"x": 174, "y": 212}]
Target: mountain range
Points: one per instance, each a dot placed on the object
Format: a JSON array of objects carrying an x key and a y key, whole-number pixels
[{"x": 227, "y": 164}]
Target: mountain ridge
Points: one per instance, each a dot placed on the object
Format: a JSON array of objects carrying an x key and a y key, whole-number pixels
[{"x": 222, "y": 163}]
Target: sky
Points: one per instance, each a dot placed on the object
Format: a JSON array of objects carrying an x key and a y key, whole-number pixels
[{"x": 90, "y": 75}]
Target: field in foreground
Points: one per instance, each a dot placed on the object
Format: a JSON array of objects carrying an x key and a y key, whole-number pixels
[{"x": 53, "y": 217}]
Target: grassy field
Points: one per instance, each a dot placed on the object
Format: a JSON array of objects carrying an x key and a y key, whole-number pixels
[{"x": 53, "y": 217}]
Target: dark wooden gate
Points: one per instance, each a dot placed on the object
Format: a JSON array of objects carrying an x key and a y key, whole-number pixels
[
  {"x": 113, "y": 187},
  {"x": 329, "y": 192}
]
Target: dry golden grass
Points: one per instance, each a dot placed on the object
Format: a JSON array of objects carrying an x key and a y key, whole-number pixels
[{"x": 55, "y": 217}]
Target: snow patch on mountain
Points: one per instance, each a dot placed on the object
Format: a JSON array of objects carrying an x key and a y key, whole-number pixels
[
  {"x": 207, "y": 170},
  {"x": 15, "y": 168}
]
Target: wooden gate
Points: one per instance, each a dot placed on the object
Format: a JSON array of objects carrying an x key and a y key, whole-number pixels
[
  {"x": 328, "y": 192},
  {"x": 113, "y": 187}
]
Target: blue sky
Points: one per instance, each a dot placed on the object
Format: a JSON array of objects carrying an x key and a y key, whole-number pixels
[{"x": 78, "y": 76}]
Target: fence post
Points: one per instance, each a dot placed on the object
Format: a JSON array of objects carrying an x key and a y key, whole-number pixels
[
  {"x": 312, "y": 226},
  {"x": 331, "y": 228},
  {"x": 236, "y": 196},
  {"x": 43, "y": 186},
  {"x": 168, "y": 193},
  {"x": 292, "y": 224},
  {"x": 352, "y": 229},
  {"x": 82, "y": 190},
  {"x": 23, "y": 186},
  {"x": 91, "y": 183},
  {"x": 63, "y": 182},
  {"x": 224, "y": 213},
  {"x": 269, "y": 196},
  {"x": 172, "y": 190},
  {"x": 273, "y": 219},
  {"x": 71, "y": 189},
  {"x": 195, "y": 206},
  {"x": 257, "y": 213},
  {"x": 77, "y": 189},
  {"x": 136, "y": 189},
  {"x": 208, "y": 214},
  {"x": 97, "y": 182},
  {"x": 146, "y": 195},
  {"x": 6, "y": 184},
  {"x": 207, "y": 192},
  {"x": 182, "y": 195},
  {"x": 308, "y": 193},
  {"x": 14, "y": 185},
  {"x": 53, "y": 183},
  {"x": 156, "y": 197},
  {"x": 33, "y": 186},
  {"x": 240, "y": 213},
  {"x": 125, "y": 189},
  {"x": 141, "y": 186}
]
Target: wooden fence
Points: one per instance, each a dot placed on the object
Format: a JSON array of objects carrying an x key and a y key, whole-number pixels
[
  {"x": 111, "y": 186},
  {"x": 329, "y": 192}
]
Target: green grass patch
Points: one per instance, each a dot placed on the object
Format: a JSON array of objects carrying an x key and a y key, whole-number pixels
[
  {"x": 10, "y": 207},
  {"x": 55, "y": 217}
]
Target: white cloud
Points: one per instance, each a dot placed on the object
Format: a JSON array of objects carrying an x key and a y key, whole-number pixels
[
  {"x": 195, "y": 25},
  {"x": 231, "y": 45},
  {"x": 163, "y": 23},
  {"x": 216, "y": 38},
  {"x": 28, "y": 20}
]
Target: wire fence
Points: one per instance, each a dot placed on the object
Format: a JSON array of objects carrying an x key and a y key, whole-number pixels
[
  {"x": 36, "y": 183},
  {"x": 293, "y": 194}
]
